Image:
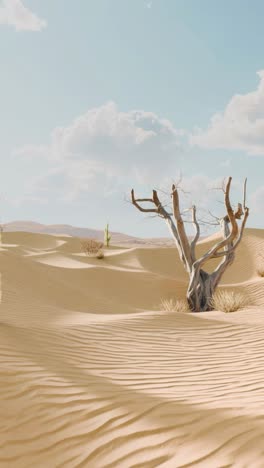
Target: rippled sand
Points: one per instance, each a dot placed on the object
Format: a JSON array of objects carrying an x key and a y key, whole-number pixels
[{"x": 93, "y": 374}]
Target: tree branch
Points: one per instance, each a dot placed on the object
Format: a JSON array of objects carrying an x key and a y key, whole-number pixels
[
  {"x": 213, "y": 252},
  {"x": 140, "y": 208},
  {"x": 197, "y": 234},
  {"x": 221, "y": 254},
  {"x": 180, "y": 228}
]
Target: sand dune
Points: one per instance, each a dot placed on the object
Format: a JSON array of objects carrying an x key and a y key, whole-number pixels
[
  {"x": 93, "y": 374},
  {"x": 74, "y": 231}
]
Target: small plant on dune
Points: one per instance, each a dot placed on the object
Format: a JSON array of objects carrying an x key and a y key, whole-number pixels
[
  {"x": 92, "y": 247},
  {"x": 260, "y": 270},
  {"x": 229, "y": 301},
  {"x": 174, "y": 305},
  {"x": 100, "y": 255},
  {"x": 107, "y": 236}
]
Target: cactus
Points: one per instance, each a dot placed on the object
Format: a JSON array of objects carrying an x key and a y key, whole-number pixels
[{"x": 107, "y": 236}]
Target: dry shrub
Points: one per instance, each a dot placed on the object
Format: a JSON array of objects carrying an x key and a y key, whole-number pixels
[
  {"x": 174, "y": 305},
  {"x": 229, "y": 301},
  {"x": 100, "y": 255},
  {"x": 92, "y": 247}
]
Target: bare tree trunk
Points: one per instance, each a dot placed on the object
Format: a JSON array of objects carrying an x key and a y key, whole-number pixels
[
  {"x": 202, "y": 285},
  {"x": 199, "y": 293}
]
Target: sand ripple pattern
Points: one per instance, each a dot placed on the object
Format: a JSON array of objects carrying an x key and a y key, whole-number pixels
[{"x": 97, "y": 387}]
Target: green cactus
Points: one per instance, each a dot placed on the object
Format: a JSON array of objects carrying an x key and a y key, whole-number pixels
[{"x": 107, "y": 236}]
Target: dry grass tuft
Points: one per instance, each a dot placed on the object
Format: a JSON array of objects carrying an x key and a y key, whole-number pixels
[
  {"x": 229, "y": 301},
  {"x": 174, "y": 305},
  {"x": 260, "y": 270},
  {"x": 93, "y": 248}
]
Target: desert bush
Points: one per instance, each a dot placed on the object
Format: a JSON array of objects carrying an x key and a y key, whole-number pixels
[
  {"x": 229, "y": 301},
  {"x": 92, "y": 247},
  {"x": 100, "y": 255},
  {"x": 174, "y": 305}
]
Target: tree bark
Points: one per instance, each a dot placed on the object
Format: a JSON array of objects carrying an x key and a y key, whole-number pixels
[{"x": 200, "y": 291}]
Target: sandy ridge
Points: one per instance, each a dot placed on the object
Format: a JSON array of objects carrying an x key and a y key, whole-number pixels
[{"x": 93, "y": 374}]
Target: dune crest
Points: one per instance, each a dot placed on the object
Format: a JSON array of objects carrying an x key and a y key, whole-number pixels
[{"x": 93, "y": 374}]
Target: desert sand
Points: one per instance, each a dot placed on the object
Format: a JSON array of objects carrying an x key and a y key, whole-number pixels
[{"x": 94, "y": 374}]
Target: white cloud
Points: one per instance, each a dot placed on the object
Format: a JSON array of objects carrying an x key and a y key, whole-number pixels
[
  {"x": 105, "y": 152},
  {"x": 104, "y": 148},
  {"x": 239, "y": 127},
  {"x": 14, "y": 13},
  {"x": 95, "y": 160},
  {"x": 148, "y": 4}
]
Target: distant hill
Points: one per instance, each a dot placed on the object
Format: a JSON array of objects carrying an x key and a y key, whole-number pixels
[{"x": 68, "y": 230}]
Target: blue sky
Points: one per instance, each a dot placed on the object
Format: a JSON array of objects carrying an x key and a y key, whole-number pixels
[{"x": 97, "y": 97}]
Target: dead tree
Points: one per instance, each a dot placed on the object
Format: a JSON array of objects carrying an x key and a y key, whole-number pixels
[{"x": 202, "y": 284}]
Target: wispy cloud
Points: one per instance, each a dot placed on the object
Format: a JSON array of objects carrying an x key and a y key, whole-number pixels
[
  {"x": 149, "y": 4},
  {"x": 14, "y": 13},
  {"x": 239, "y": 127}
]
